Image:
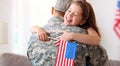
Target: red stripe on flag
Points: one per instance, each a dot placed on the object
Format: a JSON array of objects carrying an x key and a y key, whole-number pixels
[
  {"x": 60, "y": 57},
  {"x": 117, "y": 27}
]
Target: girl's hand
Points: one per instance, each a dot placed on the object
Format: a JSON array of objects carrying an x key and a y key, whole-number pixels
[
  {"x": 67, "y": 36},
  {"x": 41, "y": 33}
]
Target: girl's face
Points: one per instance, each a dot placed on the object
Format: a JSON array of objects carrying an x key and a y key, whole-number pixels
[{"x": 73, "y": 16}]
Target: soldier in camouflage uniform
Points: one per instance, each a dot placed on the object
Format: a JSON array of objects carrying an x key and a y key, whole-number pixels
[{"x": 44, "y": 53}]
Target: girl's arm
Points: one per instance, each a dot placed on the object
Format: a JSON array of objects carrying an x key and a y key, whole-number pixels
[{"x": 92, "y": 38}]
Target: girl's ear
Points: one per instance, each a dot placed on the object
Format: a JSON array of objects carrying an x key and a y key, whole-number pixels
[
  {"x": 82, "y": 22},
  {"x": 52, "y": 10}
]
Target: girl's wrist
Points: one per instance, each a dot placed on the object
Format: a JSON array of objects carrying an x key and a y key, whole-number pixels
[{"x": 72, "y": 36}]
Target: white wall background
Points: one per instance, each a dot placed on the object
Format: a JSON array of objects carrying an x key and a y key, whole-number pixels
[
  {"x": 34, "y": 12},
  {"x": 5, "y": 12},
  {"x": 27, "y": 13}
]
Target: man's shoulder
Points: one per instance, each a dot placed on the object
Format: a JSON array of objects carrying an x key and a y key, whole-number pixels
[{"x": 55, "y": 19}]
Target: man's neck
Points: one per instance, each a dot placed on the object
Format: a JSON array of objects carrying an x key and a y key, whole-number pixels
[{"x": 59, "y": 14}]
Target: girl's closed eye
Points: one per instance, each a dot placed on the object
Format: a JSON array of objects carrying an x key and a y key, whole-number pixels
[
  {"x": 75, "y": 14},
  {"x": 68, "y": 10}
]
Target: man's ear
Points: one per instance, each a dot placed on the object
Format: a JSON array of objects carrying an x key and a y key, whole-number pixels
[{"x": 52, "y": 10}]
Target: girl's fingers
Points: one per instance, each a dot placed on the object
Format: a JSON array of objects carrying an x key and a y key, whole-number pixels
[
  {"x": 42, "y": 36},
  {"x": 57, "y": 42},
  {"x": 45, "y": 37}
]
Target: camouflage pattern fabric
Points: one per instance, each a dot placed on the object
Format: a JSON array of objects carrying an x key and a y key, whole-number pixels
[
  {"x": 98, "y": 56},
  {"x": 41, "y": 53},
  {"x": 44, "y": 53}
]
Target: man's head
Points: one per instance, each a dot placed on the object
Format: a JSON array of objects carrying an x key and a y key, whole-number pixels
[{"x": 62, "y": 5}]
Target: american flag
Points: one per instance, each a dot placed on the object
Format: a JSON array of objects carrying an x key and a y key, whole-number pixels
[
  {"x": 66, "y": 53},
  {"x": 117, "y": 20}
]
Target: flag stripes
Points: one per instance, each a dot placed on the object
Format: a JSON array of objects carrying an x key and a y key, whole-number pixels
[
  {"x": 116, "y": 26},
  {"x": 60, "y": 57}
]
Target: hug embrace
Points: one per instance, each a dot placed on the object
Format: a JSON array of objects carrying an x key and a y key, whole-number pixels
[{"x": 71, "y": 37}]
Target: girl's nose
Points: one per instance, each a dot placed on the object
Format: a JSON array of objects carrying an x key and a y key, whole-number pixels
[{"x": 70, "y": 14}]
